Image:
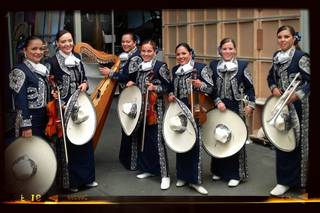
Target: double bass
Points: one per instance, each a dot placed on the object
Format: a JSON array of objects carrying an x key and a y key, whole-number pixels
[{"x": 103, "y": 94}]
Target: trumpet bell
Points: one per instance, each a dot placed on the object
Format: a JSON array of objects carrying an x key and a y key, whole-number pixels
[{"x": 281, "y": 139}]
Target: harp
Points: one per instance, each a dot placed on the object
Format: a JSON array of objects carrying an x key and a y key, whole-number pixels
[{"x": 103, "y": 93}]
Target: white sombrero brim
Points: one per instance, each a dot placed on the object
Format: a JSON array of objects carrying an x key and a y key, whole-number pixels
[
  {"x": 130, "y": 94},
  {"x": 39, "y": 151},
  {"x": 178, "y": 142},
  {"x": 239, "y": 133},
  {"x": 82, "y": 133},
  {"x": 283, "y": 140}
]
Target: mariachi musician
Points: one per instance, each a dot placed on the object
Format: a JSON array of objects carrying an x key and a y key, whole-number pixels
[
  {"x": 130, "y": 59},
  {"x": 69, "y": 74},
  {"x": 30, "y": 157},
  {"x": 291, "y": 166},
  {"x": 29, "y": 82},
  {"x": 153, "y": 78},
  {"x": 188, "y": 164},
  {"x": 232, "y": 81}
]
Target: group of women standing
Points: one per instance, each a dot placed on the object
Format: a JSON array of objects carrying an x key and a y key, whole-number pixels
[
  {"x": 225, "y": 80},
  {"x": 29, "y": 81}
]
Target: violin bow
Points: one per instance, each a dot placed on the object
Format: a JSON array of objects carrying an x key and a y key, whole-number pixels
[
  {"x": 62, "y": 124},
  {"x": 148, "y": 78},
  {"x": 61, "y": 119},
  {"x": 144, "y": 119},
  {"x": 191, "y": 96}
]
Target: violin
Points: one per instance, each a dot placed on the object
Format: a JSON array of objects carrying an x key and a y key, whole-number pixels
[
  {"x": 197, "y": 100},
  {"x": 54, "y": 125},
  {"x": 150, "y": 115},
  {"x": 152, "y": 101}
]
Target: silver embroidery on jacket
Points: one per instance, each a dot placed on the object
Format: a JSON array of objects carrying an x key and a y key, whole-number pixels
[
  {"x": 206, "y": 74},
  {"x": 164, "y": 72},
  {"x": 32, "y": 92},
  {"x": 26, "y": 123},
  {"x": 134, "y": 64},
  {"x": 141, "y": 80},
  {"x": 134, "y": 151},
  {"x": 182, "y": 85},
  {"x": 38, "y": 98},
  {"x": 304, "y": 64},
  {"x": 247, "y": 75},
  {"x": 304, "y": 143},
  {"x": 161, "y": 147},
  {"x": 200, "y": 157},
  {"x": 243, "y": 164},
  {"x": 65, "y": 86},
  {"x": 17, "y": 78},
  {"x": 18, "y": 123}
]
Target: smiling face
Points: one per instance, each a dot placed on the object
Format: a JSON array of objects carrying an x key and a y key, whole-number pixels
[
  {"x": 228, "y": 51},
  {"x": 34, "y": 50},
  {"x": 285, "y": 40},
  {"x": 147, "y": 52},
  {"x": 65, "y": 43},
  {"x": 127, "y": 43},
  {"x": 183, "y": 56}
]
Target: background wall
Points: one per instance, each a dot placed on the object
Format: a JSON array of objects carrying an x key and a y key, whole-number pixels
[{"x": 254, "y": 31}]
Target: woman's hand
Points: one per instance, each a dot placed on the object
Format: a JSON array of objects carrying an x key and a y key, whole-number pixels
[
  {"x": 276, "y": 92},
  {"x": 196, "y": 83},
  {"x": 130, "y": 83},
  {"x": 222, "y": 107},
  {"x": 105, "y": 71},
  {"x": 151, "y": 87},
  {"x": 293, "y": 98},
  {"x": 27, "y": 133},
  {"x": 248, "y": 111},
  {"x": 83, "y": 87},
  {"x": 54, "y": 94},
  {"x": 171, "y": 98}
]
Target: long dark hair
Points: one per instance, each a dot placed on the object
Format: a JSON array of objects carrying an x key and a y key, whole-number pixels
[{"x": 293, "y": 33}]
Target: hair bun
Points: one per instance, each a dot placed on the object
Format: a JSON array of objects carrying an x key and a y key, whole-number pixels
[
  {"x": 192, "y": 53},
  {"x": 297, "y": 36},
  {"x": 138, "y": 40}
]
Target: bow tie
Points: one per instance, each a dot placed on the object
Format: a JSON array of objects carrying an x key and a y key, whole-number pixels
[
  {"x": 184, "y": 69},
  {"x": 41, "y": 69},
  {"x": 146, "y": 66},
  {"x": 124, "y": 56},
  {"x": 227, "y": 66},
  {"x": 71, "y": 61},
  {"x": 282, "y": 57}
]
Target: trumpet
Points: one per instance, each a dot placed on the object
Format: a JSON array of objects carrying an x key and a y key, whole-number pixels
[{"x": 283, "y": 100}]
